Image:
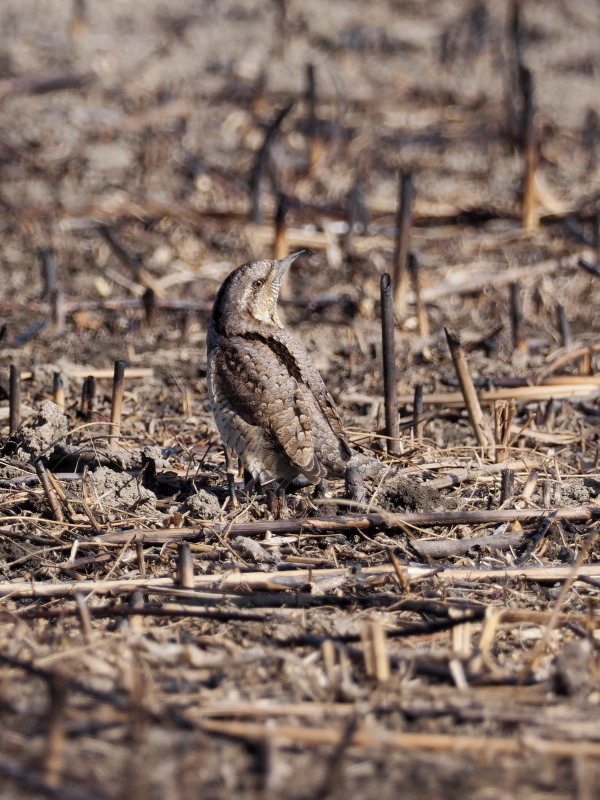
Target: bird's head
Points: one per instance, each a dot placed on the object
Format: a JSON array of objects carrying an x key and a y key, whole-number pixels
[{"x": 249, "y": 294}]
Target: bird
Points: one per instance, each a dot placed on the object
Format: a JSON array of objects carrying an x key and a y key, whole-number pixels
[{"x": 269, "y": 401}]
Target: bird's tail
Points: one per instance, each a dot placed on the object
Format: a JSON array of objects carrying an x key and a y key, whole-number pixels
[
  {"x": 369, "y": 467},
  {"x": 405, "y": 493}
]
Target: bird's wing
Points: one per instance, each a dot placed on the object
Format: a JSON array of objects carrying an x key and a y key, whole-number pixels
[
  {"x": 291, "y": 351},
  {"x": 258, "y": 387}
]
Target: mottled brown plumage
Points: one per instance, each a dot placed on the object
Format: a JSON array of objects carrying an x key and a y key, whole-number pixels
[{"x": 270, "y": 403}]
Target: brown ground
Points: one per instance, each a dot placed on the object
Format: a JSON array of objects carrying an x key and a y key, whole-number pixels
[{"x": 301, "y": 665}]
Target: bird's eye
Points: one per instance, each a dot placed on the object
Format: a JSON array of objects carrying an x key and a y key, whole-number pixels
[{"x": 258, "y": 283}]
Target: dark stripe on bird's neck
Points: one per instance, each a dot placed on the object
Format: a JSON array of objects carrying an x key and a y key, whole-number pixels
[
  {"x": 280, "y": 350},
  {"x": 218, "y": 313}
]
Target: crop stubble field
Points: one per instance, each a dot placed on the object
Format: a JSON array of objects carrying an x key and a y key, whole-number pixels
[{"x": 162, "y": 636}]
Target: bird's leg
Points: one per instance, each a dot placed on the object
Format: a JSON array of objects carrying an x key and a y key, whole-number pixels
[
  {"x": 322, "y": 498},
  {"x": 354, "y": 485},
  {"x": 278, "y": 505},
  {"x": 252, "y": 483},
  {"x": 231, "y": 468},
  {"x": 282, "y": 506},
  {"x": 321, "y": 489},
  {"x": 277, "y": 502}
]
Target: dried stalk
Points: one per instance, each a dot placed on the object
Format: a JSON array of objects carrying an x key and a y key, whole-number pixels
[
  {"x": 466, "y": 473},
  {"x": 281, "y": 247},
  {"x": 107, "y": 374},
  {"x": 149, "y": 304},
  {"x": 402, "y": 246},
  {"x": 390, "y": 383},
  {"x": 504, "y": 412},
  {"x": 562, "y": 320},
  {"x": 49, "y": 491},
  {"x": 353, "y": 215},
  {"x": 469, "y": 394},
  {"x": 567, "y": 358},
  {"x": 346, "y": 523},
  {"x": 445, "y": 548},
  {"x": 58, "y": 310},
  {"x": 420, "y": 307},
  {"x": 54, "y": 758},
  {"x": 317, "y": 142},
  {"x": 85, "y": 618},
  {"x": 185, "y": 566},
  {"x": 79, "y": 23},
  {"x": 418, "y": 421},
  {"x": 570, "y": 386},
  {"x": 531, "y": 154},
  {"x": 116, "y": 404},
  {"x": 14, "y": 398},
  {"x": 88, "y": 396},
  {"x": 519, "y": 341},
  {"x": 380, "y": 739},
  {"x": 507, "y": 485},
  {"x": 49, "y": 271},
  {"x": 292, "y": 580},
  {"x": 58, "y": 391},
  {"x": 262, "y": 159},
  {"x": 43, "y": 85}
]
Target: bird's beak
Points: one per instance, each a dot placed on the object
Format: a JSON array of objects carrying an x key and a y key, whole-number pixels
[{"x": 281, "y": 267}]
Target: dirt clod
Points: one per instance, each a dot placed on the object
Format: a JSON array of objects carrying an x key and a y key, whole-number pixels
[
  {"x": 31, "y": 440},
  {"x": 403, "y": 494},
  {"x": 201, "y": 505},
  {"x": 112, "y": 490}
]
